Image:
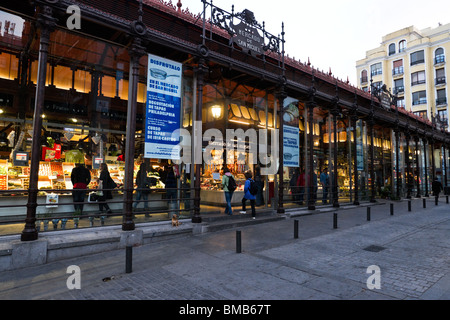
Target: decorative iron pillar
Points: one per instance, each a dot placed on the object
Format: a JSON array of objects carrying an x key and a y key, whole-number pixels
[
  {"x": 408, "y": 168},
  {"x": 46, "y": 23},
  {"x": 335, "y": 149},
  {"x": 310, "y": 105},
  {"x": 372, "y": 162},
  {"x": 397, "y": 161},
  {"x": 311, "y": 200},
  {"x": 445, "y": 166},
  {"x": 281, "y": 96},
  {"x": 425, "y": 165},
  {"x": 416, "y": 140},
  {"x": 136, "y": 52},
  {"x": 433, "y": 167},
  {"x": 354, "y": 118},
  {"x": 200, "y": 71}
]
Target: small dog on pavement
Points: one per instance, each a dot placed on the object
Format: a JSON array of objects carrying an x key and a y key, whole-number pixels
[{"x": 175, "y": 222}]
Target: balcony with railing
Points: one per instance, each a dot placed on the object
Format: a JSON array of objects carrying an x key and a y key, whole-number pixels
[
  {"x": 441, "y": 101},
  {"x": 398, "y": 71},
  {"x": 376, "y": 72},
  {"x": 440, "y": 81},
  {"x": 399, "y": 90},
  {"x": 416, "y": 82},
  {"x": 419, "y": 101}
]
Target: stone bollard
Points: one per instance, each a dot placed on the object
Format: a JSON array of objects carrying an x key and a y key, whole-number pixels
[
  {"x": 238, "y": 241},
  {"x": 128, "y": 259},
  {"x": 335, "y": 220}
]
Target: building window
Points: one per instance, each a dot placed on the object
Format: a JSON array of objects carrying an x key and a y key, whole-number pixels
[
  {"x": 401, "y": 103},
  {"x": 442, "y": 115},
  {"x": 422, "y": 114},
  {"x": 399, "y": 87},
  {"x": 419, "y": 97},
  {"x": 376, "y": 69},
  {"x": 377, "y": 85},
  {"x": 392, "y": 49},
  {"x": 417, "y": 57},
  {"x": 402, "y": 46},
  {"x": 364, "y": 77},
  {"x": 418, "y": 78},
  {"x": 439, "y": 56},
  {"x": 398, "y": 67},
  {"x": 440, "y": 77},
  {"x": 441, "y": 97}
]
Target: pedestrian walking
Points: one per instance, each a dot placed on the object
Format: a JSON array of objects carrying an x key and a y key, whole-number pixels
[
  {"x": 143, "y": 186},
  {"x": 170, "y": 185},
  {"x": 229, "y": 185},
  {"x": 105, "y": 182},
  {"x": 249, "y": 193},
  {"x": 259, "y": 201},
  {"x": 325, "y": 182},
  {"x": 80, "y": 177},
  {"x": 436, "y": 187}
]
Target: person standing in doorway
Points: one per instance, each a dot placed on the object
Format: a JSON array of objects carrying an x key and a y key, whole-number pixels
[
  {"x": 80, "y": 177},
  {"x": 248, "y": 195}
]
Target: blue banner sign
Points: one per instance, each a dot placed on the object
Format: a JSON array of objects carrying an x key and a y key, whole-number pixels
[{"x": 163, "y": 108}]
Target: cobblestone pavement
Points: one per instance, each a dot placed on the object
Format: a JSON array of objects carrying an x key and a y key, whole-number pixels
[{"x": 411, "y": 250}]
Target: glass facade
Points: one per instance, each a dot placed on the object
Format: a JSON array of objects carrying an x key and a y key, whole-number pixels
[{"x": 85, "y": 118}]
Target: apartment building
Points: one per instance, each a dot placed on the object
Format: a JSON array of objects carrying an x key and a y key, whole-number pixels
[{"x": 413, "y": 65}]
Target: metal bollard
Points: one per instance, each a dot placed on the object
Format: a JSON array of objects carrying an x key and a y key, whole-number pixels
[
  {"x": 392, "y": 209},
  {"x": 409, "y": 205},
  {"x": 295, "y": 229},
  {"x": 128, "y": 259},
  {"x": 436, "y": 200},
  {"x": 446, "y": 199},
  {"x": 335, "y": 220},
  {"x": 424, "y": 203},
  {"x": 368, "y": 213},
  {"x": 238, "y": 241}
]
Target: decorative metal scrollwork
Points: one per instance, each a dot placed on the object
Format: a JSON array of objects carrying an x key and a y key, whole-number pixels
[{"x": 244, "y": 30}]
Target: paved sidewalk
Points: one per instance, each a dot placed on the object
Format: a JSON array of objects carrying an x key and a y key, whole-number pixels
[{"x": 411, "y": 249}]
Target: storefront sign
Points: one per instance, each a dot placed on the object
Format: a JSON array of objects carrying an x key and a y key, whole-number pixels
[
  {"x": 385, "y": 100},
  {"x": 162, "y": 108},
  {"x": 290, "y": 146},
  {"x": 291, "y": 140}
]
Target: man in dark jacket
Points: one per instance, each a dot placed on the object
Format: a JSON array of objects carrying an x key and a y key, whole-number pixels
[
  {"x": 436, "y": 186},
  {"x": 80, "y": 177}
]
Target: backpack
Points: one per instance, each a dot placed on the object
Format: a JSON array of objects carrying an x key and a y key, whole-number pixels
[
  {"x": 253, "y": 187},
  {"x": 231, "y": 184}
]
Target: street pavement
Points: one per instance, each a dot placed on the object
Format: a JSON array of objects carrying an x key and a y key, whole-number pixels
[{"x": 391, "y": 257}]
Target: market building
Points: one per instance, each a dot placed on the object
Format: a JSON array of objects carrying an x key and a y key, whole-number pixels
[{"x": 132, "y": 82}]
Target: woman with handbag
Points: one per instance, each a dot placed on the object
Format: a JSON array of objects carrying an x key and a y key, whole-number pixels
[{"x": 104, "y": 183}]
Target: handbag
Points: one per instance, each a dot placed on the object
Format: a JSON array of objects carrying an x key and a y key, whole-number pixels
[{"x": 93, "y": 197}]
